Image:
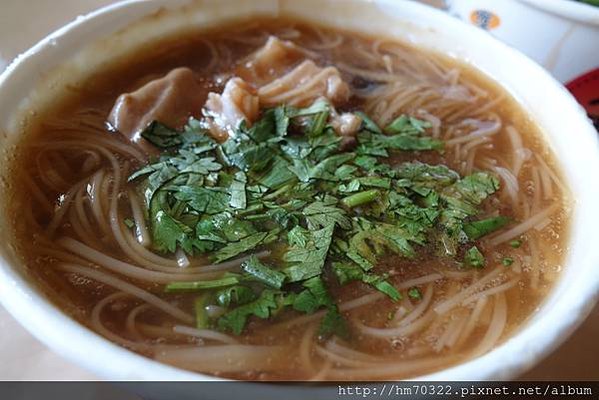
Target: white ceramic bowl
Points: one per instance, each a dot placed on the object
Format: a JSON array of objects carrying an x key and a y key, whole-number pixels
[
  {"x": 561, "y": 35},
  {"x": 88, "y": 43}
]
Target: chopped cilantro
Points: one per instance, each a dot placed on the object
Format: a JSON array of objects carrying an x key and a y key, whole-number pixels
[
  {"x": 360, "y": 198},
  {"x": 324, "y": 213},
  {"x": 346, "y": 272},
  {"x": 474, "y": 258},
  {"x": 233, "y": 249},
  {"x": 368, "y": 124},
  {"x": 333, "y": 323},
  {"x": 167, "y": 232},
  {"x": 415, "y": 293},
  {"x": 278, "y": 175},
  {"x": 202, "y": 319},
  {"x": 516, "y": 243},
  {"x": 203, "y": 199},
  {"x": 230, "y": 280},
  {"x": 382, "y": 286},
  {"x": 405, "y": 125},
  {"x": 284, "y": 185},
  {"x": 307, "y": 252},
  {"x": 262, "y": 307},
  {"x": 507, "y": 261},
  {"x": 314, "y": 296},
  {"x": 237, "y": 191},
  {"x": 161, "y": 136},
  {"x": 478, "y": 229},
  {"x": 262, "y": 273},
  {"x": 237, "y": 294}
]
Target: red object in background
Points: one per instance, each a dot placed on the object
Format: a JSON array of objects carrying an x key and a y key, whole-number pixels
[{"x": 586, "y": 90}]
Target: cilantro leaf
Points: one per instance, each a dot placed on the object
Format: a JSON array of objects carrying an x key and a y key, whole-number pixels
[
  {"x": 474, "y": 258},
  {"x": 345, "y": 172},
  {"x": 404, "y": 133},
  {"x": 382, "y": 236},
  {"x": 262, "y": 307},
  {"x": 324, "y": 145},
  {"x": 325, "y": 169},
  {"x": 408, "y": 142},
  {"x": 333, "y": 323},
  {"x": 507, "y": 261},
  {"x": 405, "y": 125},
  {"x": 201, "y": 166},
  {"x": 223, "y": 228},
  {"x": 264, "y": 128},
  {"x": 350, "y": 272},
  {"x": 324, "y": 213},
  {"x": 461, "y": 200},
  {"x": 474, "y": 188},
  {"x": 382, "y": 286},
  {"x": 424, "y": 178},
  {"x": 415, "y": 293},
  {"x": 233, "y": 249},
  {"x": 313, "y": 297},
  {"x": 368, "y": 124},
  {"x": 243, "y": 153},
  {"x": 307, "y": 252},
  {"x": 478, "y": 229},
  {"x": 237, "y": 191},
  {"x": 278, "y": 175},
  {"x": 281, "y": 120},
  {"x": 167, "y": 232},
  {"x": 159, "y": 174},
  {"x": 203, "y": 199},
  {"x": 237, "y": 294},
  {"x": 161, "y": 135},
  {"x": 347, "y": 272}
]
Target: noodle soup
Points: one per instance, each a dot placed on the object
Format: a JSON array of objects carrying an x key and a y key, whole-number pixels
[{"x": 278, "y": 200}]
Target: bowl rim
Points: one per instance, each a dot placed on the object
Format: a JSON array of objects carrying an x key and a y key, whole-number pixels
[
  {"x": 108, "y": 360},
  {"x": 574, "y": 10}
]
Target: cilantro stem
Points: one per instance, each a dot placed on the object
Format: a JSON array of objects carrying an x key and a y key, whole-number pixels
[
  {"x": 202, "y": 319},
  {"x": 360, "y": 198},
  {"x": 174, "y": 287},
  {"x": 279, "y": 191},
  {"x": 251, "y": 209},
  {"x": 178, "y": 208}
]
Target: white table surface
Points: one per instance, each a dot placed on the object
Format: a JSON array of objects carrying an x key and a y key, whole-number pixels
[{"x": 22, "y": 357}]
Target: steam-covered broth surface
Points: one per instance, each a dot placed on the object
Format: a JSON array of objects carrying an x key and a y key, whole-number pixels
[{"x": 275, "y": 200}]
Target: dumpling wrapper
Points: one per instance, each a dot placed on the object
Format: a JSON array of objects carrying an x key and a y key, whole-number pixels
[{"x": 171, "y": 100}]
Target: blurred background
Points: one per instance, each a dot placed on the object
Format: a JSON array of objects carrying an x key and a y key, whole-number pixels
[{"x": 561, "y": 35}]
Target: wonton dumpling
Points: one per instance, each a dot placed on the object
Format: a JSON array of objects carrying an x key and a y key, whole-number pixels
[
  {"x": 170, "y": 100},
  {"x": 270, "y": 61},
  {"x": 237, "y": 102},
  {"x": 304, "y": 84},
  {"x": 275, "y": 71}
]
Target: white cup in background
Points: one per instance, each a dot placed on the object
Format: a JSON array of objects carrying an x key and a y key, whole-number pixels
[{"x": 561, "y": 35}]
